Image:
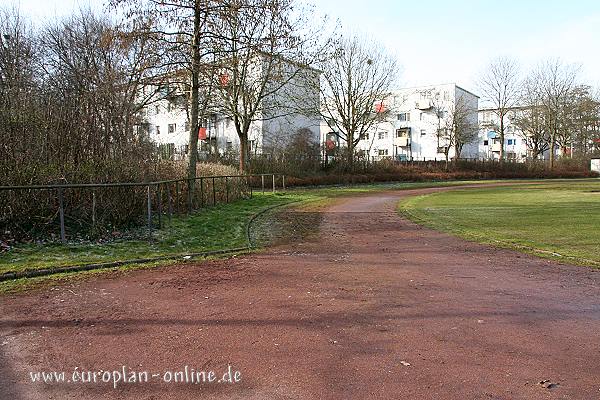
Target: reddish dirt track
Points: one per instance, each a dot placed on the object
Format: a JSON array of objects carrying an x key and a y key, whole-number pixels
[{"x": 330, "y": 319}]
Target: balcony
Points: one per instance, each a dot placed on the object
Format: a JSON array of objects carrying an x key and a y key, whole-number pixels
[
  {"x": 424, "y": 105},
  {"x": 402, "y": 141}
]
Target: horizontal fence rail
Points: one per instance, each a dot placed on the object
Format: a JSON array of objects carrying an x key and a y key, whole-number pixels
[{"x": 88, "y": 210}]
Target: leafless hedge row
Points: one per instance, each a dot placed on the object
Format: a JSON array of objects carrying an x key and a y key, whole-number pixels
[
  {"x": 101, "y": 212},
  {"x": 67, "y": 102},
  {"x": 68, "y": 113}
]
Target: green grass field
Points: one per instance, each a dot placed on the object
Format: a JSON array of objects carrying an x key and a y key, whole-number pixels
[
  {"x": 213, "y": 228},
  {"x": 558, "y": 220},
  {"x": 224, "y": 226}
]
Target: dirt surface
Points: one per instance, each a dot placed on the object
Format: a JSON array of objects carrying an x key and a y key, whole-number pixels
[{"x": 376, "y": 308}]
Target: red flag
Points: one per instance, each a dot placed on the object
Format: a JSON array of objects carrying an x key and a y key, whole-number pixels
[
  {"x": 379, "y": 108},
  {"x": 330, "y": 144},
  {"x": 202, "y": 134}
]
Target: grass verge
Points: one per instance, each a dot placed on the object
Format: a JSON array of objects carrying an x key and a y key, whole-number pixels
[{"x": 216, "y": 228}]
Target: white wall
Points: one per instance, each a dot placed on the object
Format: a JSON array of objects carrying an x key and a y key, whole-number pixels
[
  {"x": 283, "y": 116},
  {"x": 423, "y": 123},
  {"x": 488, "y": 147}
]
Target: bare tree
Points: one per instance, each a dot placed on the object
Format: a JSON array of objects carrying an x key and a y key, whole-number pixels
[
  {"x": 21, "y": 107},
  {"x": 444, "y": 135},
  {"x": 499, "y": 85},
  {"x": 530, "y": 119},
  {"x": 263, "y": 63},
  {"x": 457, "y": 125},
  {"x": 69, "y": 99},
  {"x": 182, "y": 35},
  {"x": 357, "y": 81},
  {"x": 582, "y": 123},
  {"x": 554, "y": 83}
]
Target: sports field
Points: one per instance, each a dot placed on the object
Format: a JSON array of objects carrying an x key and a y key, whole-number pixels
[{"x": 558, "y": 220}]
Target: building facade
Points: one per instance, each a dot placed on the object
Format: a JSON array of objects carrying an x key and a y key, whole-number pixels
[
  {"x": 518, "y": 146},
  {"x": 280, "y": 119},
  {"x": 416, "y": 124}
]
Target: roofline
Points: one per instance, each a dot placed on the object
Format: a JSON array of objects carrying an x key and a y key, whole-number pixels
[
  {"x": 508, "y": 108},
  {"x": 440, "y": 84},
  {"x": 465, "y": 90}
]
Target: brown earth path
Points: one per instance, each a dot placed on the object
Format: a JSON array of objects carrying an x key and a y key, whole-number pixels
[{"x": 337, "y": 318}]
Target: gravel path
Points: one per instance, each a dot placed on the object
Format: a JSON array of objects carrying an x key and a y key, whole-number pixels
[{"x": 375, "y": 308}]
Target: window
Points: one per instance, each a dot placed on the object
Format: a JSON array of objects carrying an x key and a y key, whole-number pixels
[
  {"x": 486, "y": 142},
  {"x": 402, "y": 132},
  {"x": 229, "y": 146},
  {"x": 171, "y": 128},
  {"x": 383, "y": 152},
  {"x": 421, "y": 117},
  {"x": 512, "y": 142},
  {"x": 157, "y": 109},
  {"x": 382, "y": 135},
  {"x": 251, "y": 145},
  {"x": 423, "y": 132},
  {"x": 157, "y": 130},
  {"x": 404, "y": 117},
  {"x": 168, "y": 106}
]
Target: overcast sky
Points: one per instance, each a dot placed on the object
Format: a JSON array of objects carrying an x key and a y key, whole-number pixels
[{"x": 448, "y": 41}]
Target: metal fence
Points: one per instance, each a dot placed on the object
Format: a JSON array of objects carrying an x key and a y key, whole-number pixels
[{"x": 67, "y": 210}]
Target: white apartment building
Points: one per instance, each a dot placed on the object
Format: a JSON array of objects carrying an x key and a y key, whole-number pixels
[
  {"x": 416, "y": 115},
  {"x": 515, "y": 141},
  {"x": 280, "y": 120}
]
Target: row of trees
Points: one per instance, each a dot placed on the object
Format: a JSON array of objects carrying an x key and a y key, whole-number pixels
[
  {"x": 549, "y": 107},
  {"x": 233, "y": 57},
  {"x": 68, "y": 102},
  {"x": 72, "y": 92}
]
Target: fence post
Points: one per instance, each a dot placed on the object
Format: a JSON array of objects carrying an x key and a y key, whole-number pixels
[
  {"x": 201, "y": 192},
  {"x": 214, "y": 191},
  {"x": 61, "y": 213},
  {"x": 159, "y": 204},
  {"x": 226, "y": 189},
  {"x": 249, "y": 182},
  {"x": 262, "y": 179},
  {"x": 190, "y": 196},
  {"x": 283, "y": 182},
  {"x": 93, "y": 208},
  {"x": 176, "y": 195},
  {"x": 149, "y": 208},
  {"x": 273, "y": 183},
  {"x": 170, "y": 200}
]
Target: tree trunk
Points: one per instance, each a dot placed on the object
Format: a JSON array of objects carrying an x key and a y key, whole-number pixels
[
  {"x": 552, "y": 148},
  {"x": 193, "y": 142},
  {"x": 243, "y": 152},
  {"x": 350, "y": 155},
  {"x": 501, "y": 137}
]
